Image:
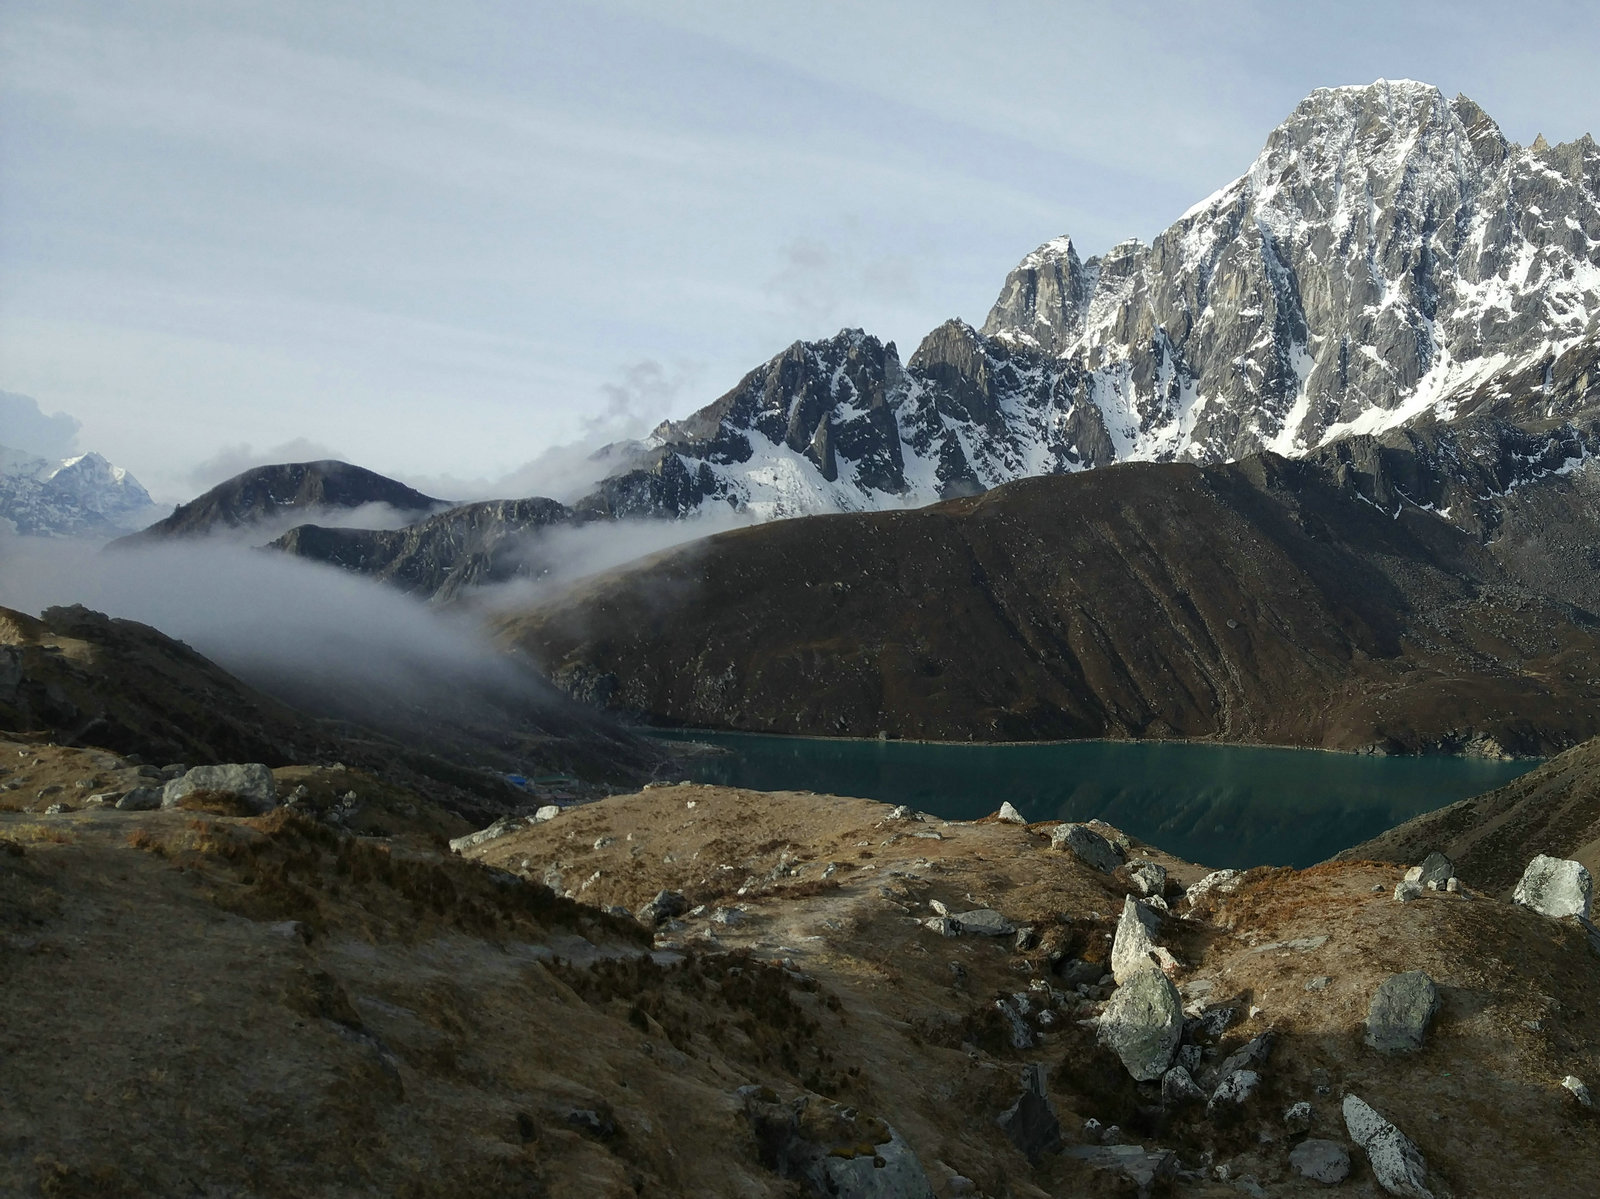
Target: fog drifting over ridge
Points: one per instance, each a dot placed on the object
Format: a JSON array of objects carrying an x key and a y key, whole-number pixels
[{"x": 322, "y": 638}]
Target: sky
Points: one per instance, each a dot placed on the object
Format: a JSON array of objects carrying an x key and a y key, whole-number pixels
[{"x": 452, "y": 241}]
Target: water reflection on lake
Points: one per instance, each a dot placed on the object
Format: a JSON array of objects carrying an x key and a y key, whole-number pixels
[{"x": 1221, "y": 805}]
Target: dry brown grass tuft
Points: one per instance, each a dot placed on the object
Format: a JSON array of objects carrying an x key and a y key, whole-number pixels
[
  {"x": 143, "y": 838},
  {"x": 747, "y": 1008},
  {"x": 216, "y": 803}
]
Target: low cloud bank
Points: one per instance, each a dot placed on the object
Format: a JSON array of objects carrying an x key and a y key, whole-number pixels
[
  {"x": 323, "y": 640},
  {"x": 556, "y": 558},
  {"x": 337, "y": 644}
]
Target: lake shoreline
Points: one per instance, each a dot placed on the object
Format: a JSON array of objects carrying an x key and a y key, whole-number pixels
[
  {"x": 1222, "y": 803},
  {"x": 671, "y": 733}
]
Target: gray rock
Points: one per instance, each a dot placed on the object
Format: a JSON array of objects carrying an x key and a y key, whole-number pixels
[
  {"x": 1135, "y": 947},
  {"x": 1142, "y": 1024},
  {"x": 1232, "y": 1091},
  {"x": 1010, "y": 815},
  {"x": 1396, "y": 1162},
  {"x": 1249, "y": 1056},
  {"x": 1319, "y": 983},
  {"x": 140, "y": 799},
  {"x": 1031, "y": 1123},
  {"x": 503, "y": 827},
  {"x": 983, "y": 922},
  {"x": 1436, "y": 870},
  {"x": 942, "y": 925},
  {"x": 664, "y": 907},
  {"x": 1407, "y": 890},
  {"x": 548, "y": 812},
  {"x": 1578, "y": 1090},
  {"x": 1148, "y": 878},
  {"x": 1398, "y": 1017},
  {"x": 1327, "y": 1162},
  {"x": 1178, "y": 1087},
  {"x": 1220, "y": 881},
  {"x": 1074, "y": 971},
  {"x": 57, "y": 809},
  {"x": 821, "y": 1145},
  {"x": 250, "y": 781},
  {"x": 1087, "y": 845},
  {"x": 1555, "y": 887},
  {"x": 1297, "y": 1117},
  {"x": 1018, "y": 1030}
]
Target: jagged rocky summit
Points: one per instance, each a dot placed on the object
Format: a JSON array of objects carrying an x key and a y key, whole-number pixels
[
  {"x": 83, "y": 496},
  {"x": 1390, "y": 258}
]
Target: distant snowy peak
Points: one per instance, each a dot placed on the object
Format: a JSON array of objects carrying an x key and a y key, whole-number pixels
[
  {"x": 85, "y": 496},
  {"x": 1386, "y": 252},
  {"x": 1388, "y": 256}
]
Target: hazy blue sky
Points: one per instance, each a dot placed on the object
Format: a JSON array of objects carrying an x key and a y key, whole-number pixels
[{"x": 440, "y": 238}]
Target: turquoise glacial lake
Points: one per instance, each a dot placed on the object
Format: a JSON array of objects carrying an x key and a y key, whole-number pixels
[{"x": 1221, "y": 805}]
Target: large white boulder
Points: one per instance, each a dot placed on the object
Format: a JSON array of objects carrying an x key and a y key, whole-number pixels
[
  {"x": 250, "y": 781},
  {"x": 1556, "y": 887}
]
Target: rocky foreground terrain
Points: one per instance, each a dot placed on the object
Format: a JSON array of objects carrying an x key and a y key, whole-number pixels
[
  {"x": 292, "y": 985},
  {"x": 321, "y": 976}
]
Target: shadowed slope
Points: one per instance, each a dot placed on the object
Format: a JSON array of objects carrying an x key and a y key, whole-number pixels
[{"x": 1287, "y": 602}]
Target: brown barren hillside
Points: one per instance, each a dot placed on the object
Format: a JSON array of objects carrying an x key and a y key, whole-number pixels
[
  {"x": 207, "y": 1004},
  {"x": 1267, "y": 601},
  {"x": 1553, "y": 810}
]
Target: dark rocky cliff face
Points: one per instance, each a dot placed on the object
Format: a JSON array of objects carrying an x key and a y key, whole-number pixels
[{"x": 1305, "y": 602}]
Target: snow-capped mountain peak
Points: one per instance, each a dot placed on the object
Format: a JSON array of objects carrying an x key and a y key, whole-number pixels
[
  {"x": 1387, "y": 255},
  {"x": 82, "y": 496}
]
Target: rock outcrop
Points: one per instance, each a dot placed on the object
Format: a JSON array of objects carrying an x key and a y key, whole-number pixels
[
  {"x": 1087, "y": 845},
  {"x": 1134, "y": 948},
  {"x": 1327, "y": 1162}
]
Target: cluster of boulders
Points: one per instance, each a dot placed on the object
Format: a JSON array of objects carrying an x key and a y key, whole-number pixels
[
  {"x": 1436, "y": 873},
  {"x": 250, "y": 783}
]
